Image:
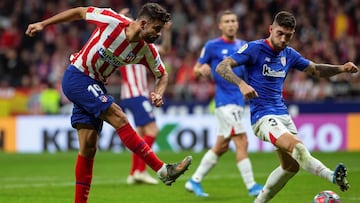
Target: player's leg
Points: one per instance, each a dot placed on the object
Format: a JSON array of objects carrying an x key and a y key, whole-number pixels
[
  {"x": 293, "y": 145},
  {"x": 228, "y": 126},
  {"x": 144, "y": 119},
  {"x": 244, "y": 165},
  {"x": 278, "y": 177},
  {"x": 271, "y": 129},
  {"x": 309, "y": 163},
  {"x": 87, "y": 136},
  {"x": 280, "y": 131},
  {"x": 139, "y": 173},
  {"x": 75, "y": 86},
  {"x": 208, "y": 161},
  {"x": 168, "y": 173}
]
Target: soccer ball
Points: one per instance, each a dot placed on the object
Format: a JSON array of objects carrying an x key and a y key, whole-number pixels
[{"x": 327, "y": 196}]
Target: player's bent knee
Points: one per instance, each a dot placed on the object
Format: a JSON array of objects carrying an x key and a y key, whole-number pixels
[{"x": 293, "y": 167}]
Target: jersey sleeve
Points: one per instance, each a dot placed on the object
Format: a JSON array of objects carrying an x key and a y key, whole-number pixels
[
  {"x": 104, "y": 16},
  {"x": 205, "y": 54},
  {"x": 153, "y": 62},
  {"x": 299, "y": 62},
  {"x": 243, "y": 55}
]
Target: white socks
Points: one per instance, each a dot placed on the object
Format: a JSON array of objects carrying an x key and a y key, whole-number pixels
[
  {"x": 279, "y": 177},
  {"x": 162, "y": 171},
  {"x": 208, "y": 161},
  {"x": 276, "y": 180},
  {"x": 310, "y": 164},
  {"x": 246, "y": 172}
]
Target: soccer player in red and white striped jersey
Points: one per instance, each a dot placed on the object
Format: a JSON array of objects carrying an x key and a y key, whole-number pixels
[
  {"x": 115, "y": 42},
  {"x": 135, "y": 98}
]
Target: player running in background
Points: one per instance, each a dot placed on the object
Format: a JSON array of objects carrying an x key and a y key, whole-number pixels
[
  {"x": 135, "y": 97},
  {"x": 229, "y": 108},
  {"x": 267, "y": 62},
  {"x": 115, "y": 42}
]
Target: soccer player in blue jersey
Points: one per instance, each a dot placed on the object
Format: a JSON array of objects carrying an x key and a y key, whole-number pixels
[
  {"x": 229, "y": 108},
  {"x": 267, "y": 62}
]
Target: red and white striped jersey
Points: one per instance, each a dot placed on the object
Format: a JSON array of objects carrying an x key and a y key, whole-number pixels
[
  {"x": 134, "y": 81},
  {"x": 107, "y": 48}
]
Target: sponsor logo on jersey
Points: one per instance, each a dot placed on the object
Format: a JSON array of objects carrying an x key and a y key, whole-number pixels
[
  {"x": 109, "y": 57},
  {"x": 224, "y": 51},
  {"x": 267, "y": 71}
]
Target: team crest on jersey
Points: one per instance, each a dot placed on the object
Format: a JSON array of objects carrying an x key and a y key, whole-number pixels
[
  {"x": 245, "y": 46},
  {"x": 130, "y": 57},
  {"x": 224, "y": 51},
  {"x": 103, "y": 98},
  {"x": 283, "y": 61}
]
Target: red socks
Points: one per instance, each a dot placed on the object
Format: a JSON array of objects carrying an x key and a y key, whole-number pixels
[
  {"x": 139, "y": 146},
  {"x": 137, "y": 163},
  {"x": 83, "y": 174}
]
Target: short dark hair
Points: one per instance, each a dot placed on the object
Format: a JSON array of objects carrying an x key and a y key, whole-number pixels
[
  {"x": 153, "y": 12},
  {"x": 285, "y": 19},
  {"x": 223, "y": 13}
]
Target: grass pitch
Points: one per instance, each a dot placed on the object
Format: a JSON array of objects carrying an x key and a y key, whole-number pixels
[{"x": 44, "y": 178}]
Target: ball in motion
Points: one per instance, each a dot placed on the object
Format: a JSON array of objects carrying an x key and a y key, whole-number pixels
[{"x": 327, "y": 196}]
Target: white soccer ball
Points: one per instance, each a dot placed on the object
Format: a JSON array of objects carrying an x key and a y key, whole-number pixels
[{"x": 327, "y": 196}]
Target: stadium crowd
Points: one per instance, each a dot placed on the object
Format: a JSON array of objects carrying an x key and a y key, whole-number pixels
[{"x": 327, "y": 32}]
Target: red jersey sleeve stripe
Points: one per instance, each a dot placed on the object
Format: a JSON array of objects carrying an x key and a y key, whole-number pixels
[
  {"x": 115, "y": 15},
  {"x": 90, "y": 9},
  {"x": 153, "y": 51},
  {"x": 155, "y": 54}
]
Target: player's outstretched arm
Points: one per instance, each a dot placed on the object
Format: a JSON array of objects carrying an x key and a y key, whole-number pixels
[
  {"x": 65, "y": 16},
  {"x": 328, "y": 70},
  {"x": 224, "y": 69}
]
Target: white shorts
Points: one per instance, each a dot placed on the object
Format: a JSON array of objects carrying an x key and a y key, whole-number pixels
[
  {"x": 269, "y": 128},
  {"x": 230, "y": 120}
]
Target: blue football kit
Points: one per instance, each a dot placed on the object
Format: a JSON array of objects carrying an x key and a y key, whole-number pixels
[
  {"x": 213, "y": 53},
  {"x": 266, "y": 71}
]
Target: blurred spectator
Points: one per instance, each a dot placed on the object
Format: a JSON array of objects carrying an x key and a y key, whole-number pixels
[
  {"x": 185, "y": 79},
  {"x": 49, "y": 99}
]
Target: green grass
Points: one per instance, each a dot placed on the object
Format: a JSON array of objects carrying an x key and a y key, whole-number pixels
[{"x": 44, "y": 178}]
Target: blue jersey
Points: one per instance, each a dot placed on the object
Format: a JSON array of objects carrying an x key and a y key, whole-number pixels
[
  {"x": 212, "y": 54},
  {"x": 266, "y": 71}
]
